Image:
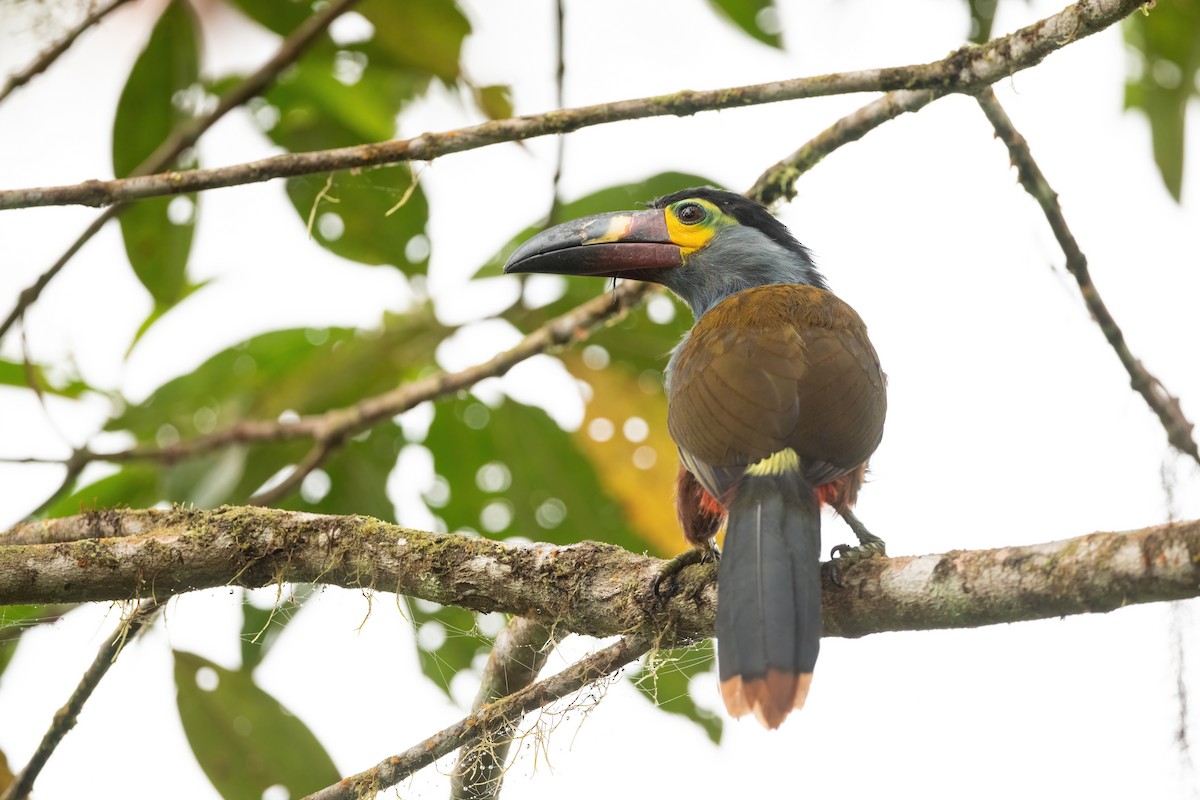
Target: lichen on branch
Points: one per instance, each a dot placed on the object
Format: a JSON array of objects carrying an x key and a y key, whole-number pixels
[{"x": 591, "y": 588}]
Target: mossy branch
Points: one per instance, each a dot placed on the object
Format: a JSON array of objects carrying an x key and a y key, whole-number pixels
[{"x": 590, "y": 588}]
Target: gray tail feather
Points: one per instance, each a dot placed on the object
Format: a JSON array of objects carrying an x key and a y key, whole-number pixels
[{"x": 769, "y": 579}]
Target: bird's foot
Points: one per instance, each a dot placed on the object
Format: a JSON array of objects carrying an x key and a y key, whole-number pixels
[
  {"x": 843, "y": 556},
  {"x": 664, "y": 584}
]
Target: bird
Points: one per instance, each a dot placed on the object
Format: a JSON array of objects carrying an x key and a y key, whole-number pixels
[{"x": 775, "y": 401}]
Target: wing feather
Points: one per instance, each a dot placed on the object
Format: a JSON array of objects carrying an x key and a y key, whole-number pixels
[{"x": 774, "y": 367}]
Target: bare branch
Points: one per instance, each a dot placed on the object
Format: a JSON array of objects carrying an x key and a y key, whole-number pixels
[
  {"x": 51, "y": 54},
  {"x": 66, "y": 716},
  {"x": 188, "y": 134},
  {"x": 591, "y": 588},
  {"x": 779, "y": 182},
  {"x": 517, "y": 657},
  {"x": 503, "y": 713},
  {"x": 312, "y": 459},
  {"x": 560, "y": 74},
  {"x": 75, "y": 464},
  {"x": 966, "y": 70},
  {"x": 1161, "y": 402},
  {"x": 30, "y": 294}
]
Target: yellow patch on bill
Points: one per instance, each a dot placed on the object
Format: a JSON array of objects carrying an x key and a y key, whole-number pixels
[{"x": 618, "y": 229}]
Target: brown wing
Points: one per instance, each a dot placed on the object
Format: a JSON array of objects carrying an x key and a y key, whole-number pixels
[{"x": 776, "y": 367}]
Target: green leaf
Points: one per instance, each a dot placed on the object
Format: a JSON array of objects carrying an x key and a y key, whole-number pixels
[
  {"x": 494, "y": 101},
  {"x": 244, "y": 739},
  {"x": 664, "y": 682},
  {"x": 1168, "y": 39},
  {"x": 356, "y": 477},
  {"x": 158, "y": 231},
  {"x": 511, "y": 471},
  {"x": 758, "y": 18},
  {"x": 321, "y": 106},
  {"x": 279, "y": 16},
  {"x": 983, "y": 14},
  {"x": 370, "y": 217},
  {"x": 421, "y": 38},
  {"x": 424, "y": 37},
  {"x": 640, "y": 475},
  {"x": 302, "y": 371},
  {"x": 13, "y": 373},
  {"x": 338, "y": 96}
]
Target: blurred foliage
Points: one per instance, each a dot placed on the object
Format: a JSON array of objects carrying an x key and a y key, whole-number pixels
[
  {"x": 289, "y": 372},
  {"x": 667, "y": 678},
  {"x": 37, "y": 377},
  {"x": 245, "y": 740},
  {"x": 502, "y": 469},
  {"x": 624, "y": 436},
  {"x": 1164, "y": 77},
  {"x": 758, "y": 18},
  {"x": 159, "y": 95},
  {"x": 983, "y": 14}
]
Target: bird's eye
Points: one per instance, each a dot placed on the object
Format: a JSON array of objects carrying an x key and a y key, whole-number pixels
[{"x": 690, "y": 213}]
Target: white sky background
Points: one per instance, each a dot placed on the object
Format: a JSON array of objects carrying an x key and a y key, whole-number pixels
[{"x": 1010, "y": 421}]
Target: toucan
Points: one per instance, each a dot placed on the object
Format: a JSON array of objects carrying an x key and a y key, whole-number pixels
[{"x": 775, "y": 401}]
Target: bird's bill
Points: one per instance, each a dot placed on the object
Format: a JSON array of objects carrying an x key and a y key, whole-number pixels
[{"x": 608, "y": 245}]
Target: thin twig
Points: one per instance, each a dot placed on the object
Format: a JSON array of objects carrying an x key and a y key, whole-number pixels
[
  {"x": 518, "y": 655},
  {"x": 574, "y": 325},
  {"x": 1161, "y": 402},
  {"x": 186, "y": 135},
  {"x": 560, "y": 74},
  {"x": 966, "y": 70},
  {"x": 312, "y": 459},
  {"x": 75, "y": 464},
  {"x": 779, "y": 181},
  {"x": 51, "y": 54},
  {"x": 504, "y": 712},
  {"x": 29, "y": 295},
  {"x": 66, "y": 716}
]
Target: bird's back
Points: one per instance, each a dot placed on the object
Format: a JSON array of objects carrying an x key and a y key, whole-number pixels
[{"x": 770, "y": 368}]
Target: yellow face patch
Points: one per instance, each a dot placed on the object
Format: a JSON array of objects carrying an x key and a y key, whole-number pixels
[{"x": 691, "y": 236}]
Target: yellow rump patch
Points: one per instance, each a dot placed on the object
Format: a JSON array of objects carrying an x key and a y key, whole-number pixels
[{"x": 785, "y": 460}]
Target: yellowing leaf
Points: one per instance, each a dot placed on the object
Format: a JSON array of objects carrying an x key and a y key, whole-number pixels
[{"x": 637, "y": 472}]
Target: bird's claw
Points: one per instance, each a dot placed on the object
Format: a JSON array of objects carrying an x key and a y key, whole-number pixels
[
  {"x": 664, "y": 583},
  {"x": 843, "y": 555}
]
